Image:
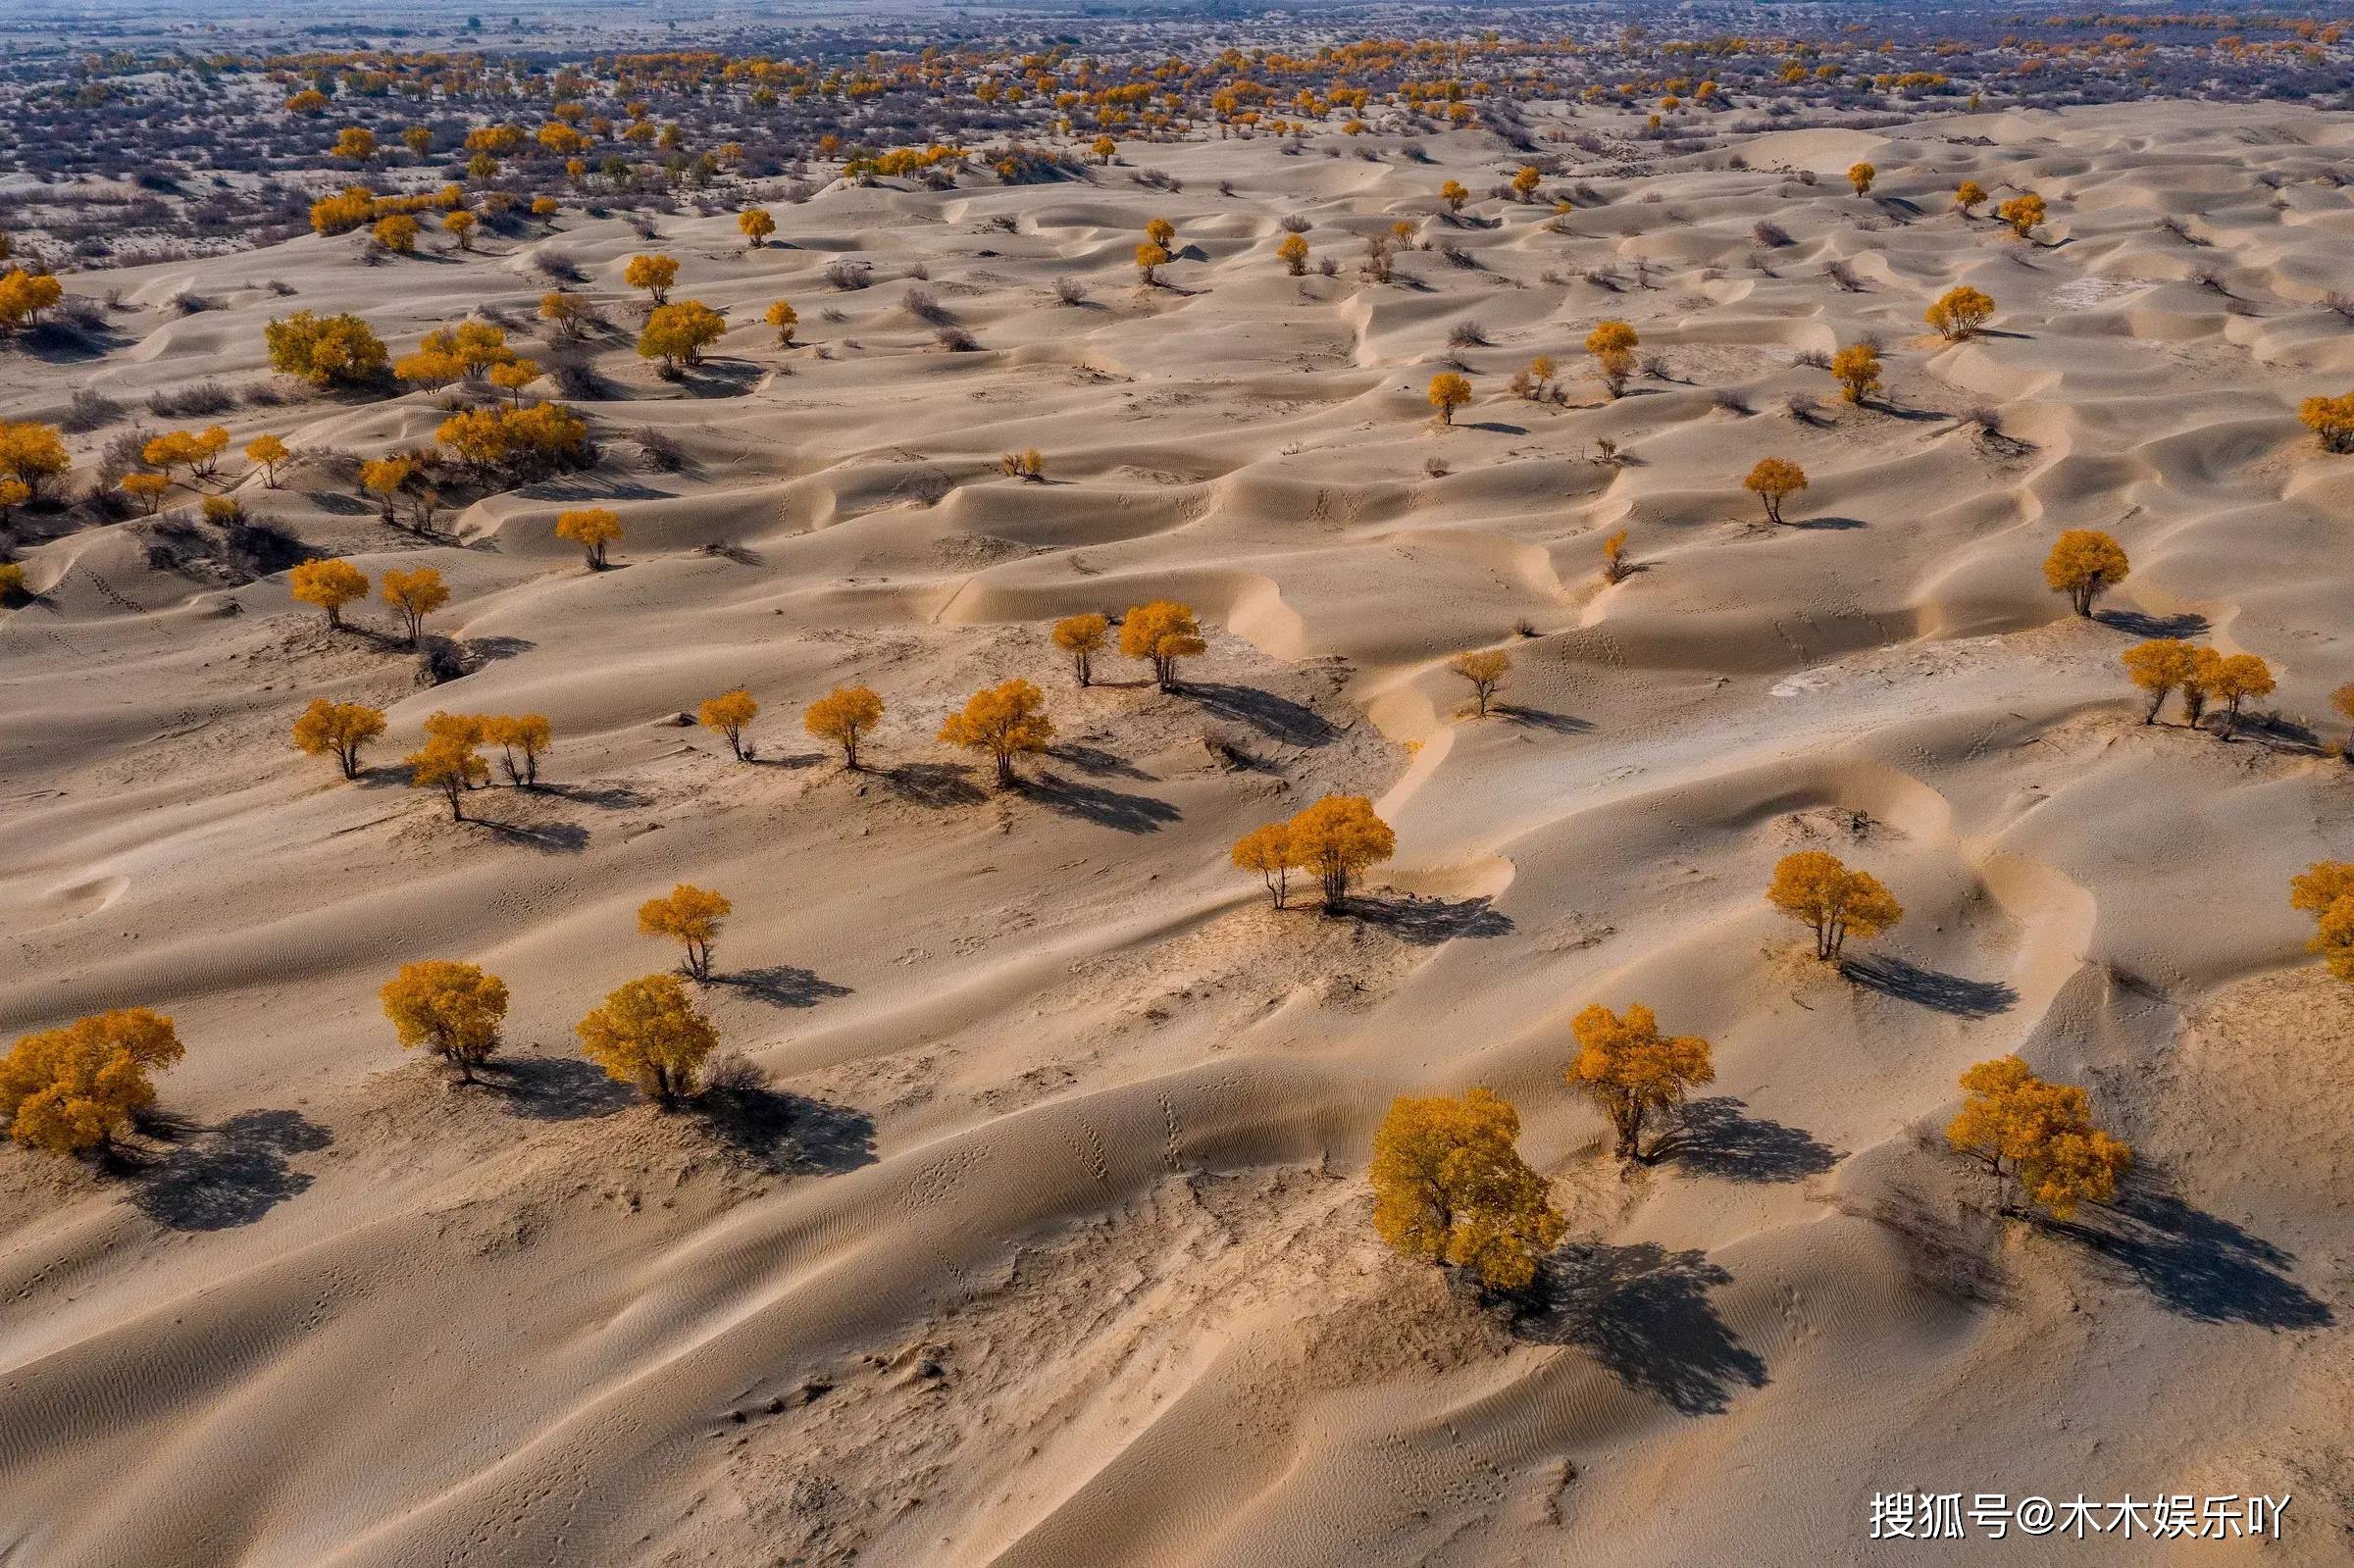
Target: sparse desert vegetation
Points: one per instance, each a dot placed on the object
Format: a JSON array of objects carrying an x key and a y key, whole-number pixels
[{"x": 1169, "y": 785}]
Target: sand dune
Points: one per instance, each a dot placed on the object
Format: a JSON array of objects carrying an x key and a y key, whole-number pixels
[{"x": 1055, "y": 1247}]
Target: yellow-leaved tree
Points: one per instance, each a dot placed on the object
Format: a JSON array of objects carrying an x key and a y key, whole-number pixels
[
  {"x": 1634, "y": 1073},
  {"x": 1083, "y": 636},
  {"x": 691, "y": 916},
  {"x": 72, "y": 1089},
  {"x": 1450, "y": 1186},
  {"x": 1339, "y": 838},
  {"x": 1860, "y": 176},
  {"x": 757, "y": 225},
  {"x": 414, "y": 596},
  {"x": 1612, "y": 345},
  {"x": 786, "y": 320},
  {"x": 844, "y": 716},
  {"x": 1449, "y": 392},
  {"x": 650, "y": 1034},
  {"x": 1959, "y": 312},
  {"x": 2162, "y": 666},
  {"x": 728, "y": 713},
  {"x": 447, "y": 1009},
  {"x": 591, "y": 528},
  {"x": 1857, "y": 370},
  {"x": 2231, "y": 680},
  {"x": 451, "y": 765},
  {"x": 2084, "y": 564},
  {"x": 1774, "y": 480},
  {"x": 340, "y": 729},
  {"x": 1268, "y": 851},
  {"x": 329, "y": 585},
  {"x": 1293, "y": 253},
  {"x": 654, "y": 274},
  {"x": 1484, "y": 670},
  {"x": 679, "y": 333},
  {"x": 1162, "y": 631},
  {"x": 2036, "y": 1138},
  {"x": 1005, "y": 721},
  {"x": 520, "y": 738},
  {"x": 1818, "y": 890},
  {"x": 2324, "y": 891}
]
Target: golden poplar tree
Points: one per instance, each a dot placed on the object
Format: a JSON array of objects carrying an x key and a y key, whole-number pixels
[
  {"x": 1449, "y": 392},
  {"x": 1612, "y": 345},
  {"x": 786, "y": 320},
  {"x": 340, "y": 729},
  {"x": 1634, "y": 1073},
  {"x": 649, "y": 1033},
  {"x": 1861, "y": 176},
  {"x": 2231, "y": 680},
  {"x": 447, "y": 1009},
  {"x": 844, "y": 716},
  {"x": 450, "y": 765},
  {"x": 757, "y": 225},
  {"x": 2036, "y": 1138},
  {"x": 1082, "y": 637},
  {"x": 415, "y": 595},
  {"x": 72, "y": 1089},
  {"x": 1450, "y": 1187},
  {"x": 1005, "y": 721},
  {"x": 1268, "y": 851},
  {"x": 521, "y": 738},
  {"x": 329, "y": 585},
  {"x": 654, "y": 274},
  {"x": 1484, "y": 670},
  {"x": 1339, "y": 838},
  {"x": 1857, "y": 370},
  {"x": 1164, "y": 631},
  {"x": 591, "y": 528},
  {"x": 691, "y": 916},
  {"x": 1818, "y": 890},
  {"x": 1959, "y": 312},
  {"x": 2084, "y": 564},
  {"x": 728, "y": 713},
  {"x": 1293, "y": 253},
  {"x": 1774, "y": 480},
  {"x": 2162, "y": 666}
]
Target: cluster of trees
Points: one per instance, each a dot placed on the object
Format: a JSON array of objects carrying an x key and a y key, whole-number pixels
[
  {"x": 1336, "y": 839},
  {"x": 330, "y": 584},
  {"x": 2163, "y": 666},
  {"x": 326, "y": 350},
  {"x": 647, "y": 1031},
  {"x": 451, "y": 762},
  {"x": 1153, "y": 252}
]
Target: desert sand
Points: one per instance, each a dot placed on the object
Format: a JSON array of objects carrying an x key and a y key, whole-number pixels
[{"x": 1062, "y": 1253}]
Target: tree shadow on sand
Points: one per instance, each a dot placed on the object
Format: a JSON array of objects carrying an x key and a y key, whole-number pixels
[
  {"x": 1932, "y": 988},
  {"x": 233, "y": 1174},
  {"x": 1560, "y": 724},
  {"x": 1106, "y": 807},
  {"x": 2136, "y": 624},
  {"x": 2197, "y": 1265},
  {"x": 1428, "y": 922},
  {"x": 1278, "y": 718},
  {"x": 789, "y": 1134},
  {"x": 1643, "y": 1313},
  {"x": 555, "y": 1088},
  {"x": 781, "y": 986},
  {"x": 939, "y": 785},
  {"x": 1718, "y": 1138}
]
